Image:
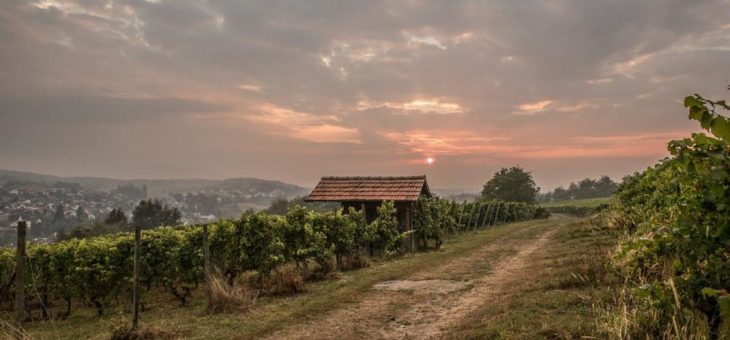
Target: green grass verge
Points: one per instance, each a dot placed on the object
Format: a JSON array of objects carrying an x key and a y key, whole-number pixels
[{"x": 568, "y": 278}]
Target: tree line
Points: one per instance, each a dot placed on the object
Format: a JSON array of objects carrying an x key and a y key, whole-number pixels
[{"x": 147, "y": 214}]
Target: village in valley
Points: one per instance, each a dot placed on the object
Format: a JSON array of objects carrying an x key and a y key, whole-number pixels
[{"x": 52, "y": 208}]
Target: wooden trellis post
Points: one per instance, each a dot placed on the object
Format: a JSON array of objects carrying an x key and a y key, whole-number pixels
[
  {"x": 496, "y": 215},
  {"x": 20, "y": 258},
  {"x": 471, "y": 212},
  {"x": 486, "y": 215},
  {"x": 479, "y": 212},
  {"x": 461, "y": 213},
  {"x": 206, "y": 264},
  {"x": 135, "y": 283}
]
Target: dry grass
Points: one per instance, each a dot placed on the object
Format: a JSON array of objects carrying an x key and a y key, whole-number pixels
[
  {"x": 284, "y": 280},
  {"x": 355, "y": 262},
  {"x": 628, "y": 317},
  {"x": 120, "y": 329},
  {"x": 11, "y": 331},
  {"x": 226, "y": 297}
]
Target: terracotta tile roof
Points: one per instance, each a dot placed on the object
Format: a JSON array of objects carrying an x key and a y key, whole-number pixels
[{"x": 401, "y": 188}]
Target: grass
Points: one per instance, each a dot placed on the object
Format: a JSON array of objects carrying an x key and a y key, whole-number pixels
[
  {"x": 580, "y": 203},
  {"x": 567, "y": 278},
  {"x": 272, "y": 313}
]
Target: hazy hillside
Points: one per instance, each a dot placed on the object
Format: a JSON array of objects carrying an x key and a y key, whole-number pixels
[{"x": 162, "y": 187}]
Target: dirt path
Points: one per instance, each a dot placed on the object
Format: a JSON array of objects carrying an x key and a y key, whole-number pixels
[{"x": 427, "y": 303}]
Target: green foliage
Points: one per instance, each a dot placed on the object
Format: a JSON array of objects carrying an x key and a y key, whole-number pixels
[
  {"x": 582, "y": 207},
  {"x": 116, "y": 216},
  {"x": 262, "y": 246},
  {"x": 513, "y": 185},
  {"x": 703, "y": 111},
  {"x": 152, "y": 213},
  {"x": 386, "y": 237},
  {"x": 92, "y": 230},
  {"x": 300, "y": 238},
  {"x": 678, "y": 214},
  {"x": 341, "y": 231},
  {"x": 97, "y": 271},
  {"x": 435, "y": 218},
  {"x": 585, "y": 189},
  {"x": 7, "y": 264},
  {"x": 281, "y": 205}
]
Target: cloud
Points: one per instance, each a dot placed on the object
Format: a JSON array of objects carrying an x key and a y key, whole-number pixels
[
  {"x": 251, "y": 88},
  {"x": 430, "y": 41},
  {"x": 434, "y": 75},
  {"x": 423, "y": 106},
  {"x": 306, "y": 126},
  {"x": 75, "y": 109},
  {"x": 470, "y": 143},
  {"x": 599, "y": 81},
  {"x": 528, "y": 109},
  {"x": 459, "y": 142}
]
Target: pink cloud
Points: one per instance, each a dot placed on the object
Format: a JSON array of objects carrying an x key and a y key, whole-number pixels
[
  {"x": 463, "y": 142},
  {"x": 430, "y": 105},
  {"x": 446, "y": 142},
  {"x": 306, "y": 126}
]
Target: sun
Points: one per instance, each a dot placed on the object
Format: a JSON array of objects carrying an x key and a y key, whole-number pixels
[{"x": 429, "y": 160}]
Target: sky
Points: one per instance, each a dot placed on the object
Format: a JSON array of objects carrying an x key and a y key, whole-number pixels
[{"x": 295, "y": 90}]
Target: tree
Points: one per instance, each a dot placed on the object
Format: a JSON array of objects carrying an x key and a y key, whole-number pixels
[
  {"x": 153, "y": 213},
  {"x": 281, "y": 205},
  {"x": 81, "y": 215},
  {"x": 58, "y": 215},
  {"x": 116, "y": 217},
  {"x": 586, "y": 188},
  {"x": 512, "y": 185}
]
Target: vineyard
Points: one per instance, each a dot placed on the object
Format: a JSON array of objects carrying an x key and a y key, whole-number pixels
[
  {"x": 676, "y": 256},
  {"x": 581, "y": 207},
  {"x": 98, "y": 271},
  {"x": 653, "y": 261}
]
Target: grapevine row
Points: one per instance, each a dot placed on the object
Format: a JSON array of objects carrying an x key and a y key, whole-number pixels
[{"x": 98, "y": 271}]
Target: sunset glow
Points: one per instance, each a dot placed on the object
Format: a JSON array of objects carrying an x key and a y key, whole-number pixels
[{"x": 259, "y": 89}]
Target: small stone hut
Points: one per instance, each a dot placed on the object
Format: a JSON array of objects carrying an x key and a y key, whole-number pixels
[{"x": 367, "y": 193}]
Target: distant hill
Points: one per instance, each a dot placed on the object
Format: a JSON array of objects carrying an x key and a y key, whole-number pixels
[
  {"x": 10, "y": 175},
  {"x": 257, "y": 185},
  {"x": 158, "y": 188}
]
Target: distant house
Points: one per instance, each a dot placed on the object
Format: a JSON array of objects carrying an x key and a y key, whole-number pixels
[{"x": 367, "y": 193}]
